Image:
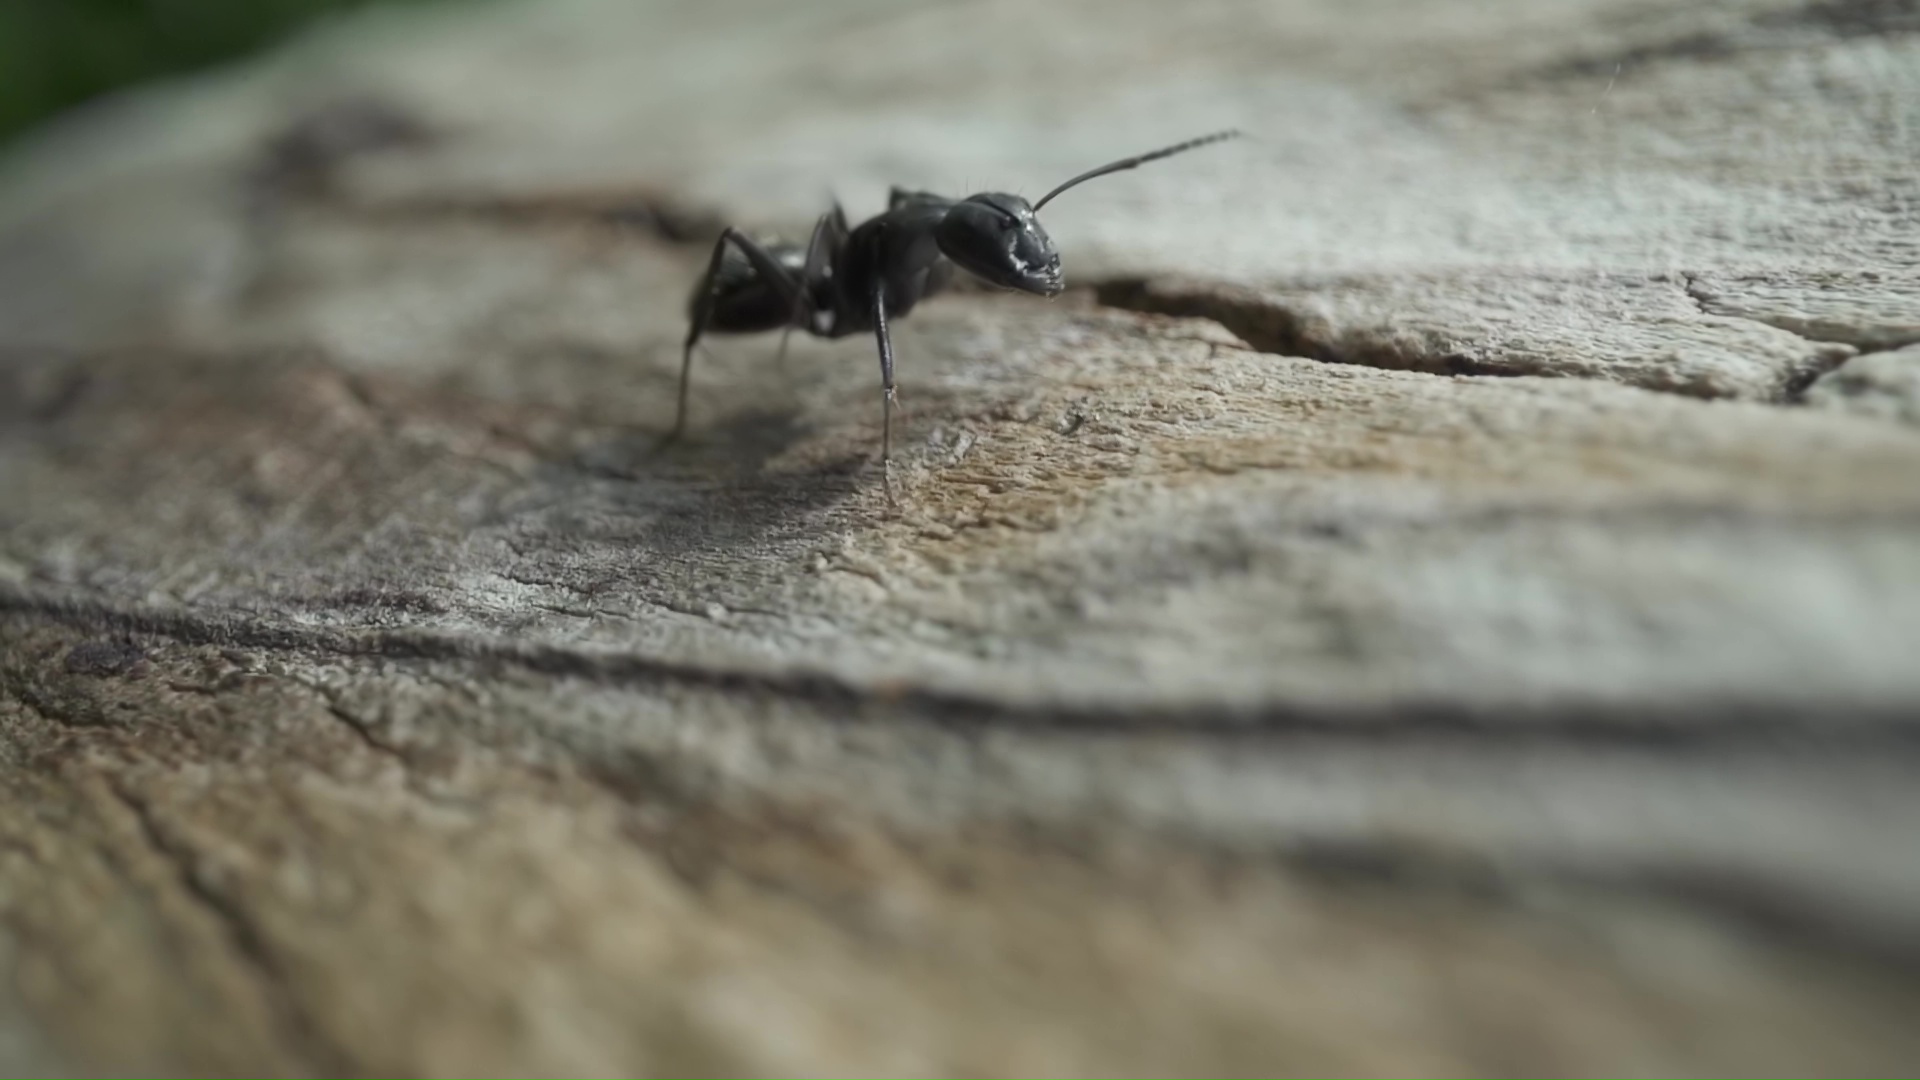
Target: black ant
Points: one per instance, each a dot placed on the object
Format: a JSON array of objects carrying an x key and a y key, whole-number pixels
[{"x": 849, "y": 280}]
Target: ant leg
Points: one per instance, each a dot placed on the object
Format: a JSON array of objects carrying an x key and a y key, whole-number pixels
[
  {"x": 763, "y": 264},
  {"x": 829, "y": 236},
  {"x": 886, "y": 386},
  {"x": 697, "y": 324},
  {"x": 813, "y": 271},
  {"x": 780, "y": 354}
]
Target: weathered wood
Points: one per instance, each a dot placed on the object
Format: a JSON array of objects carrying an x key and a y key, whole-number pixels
[{"x": 1440, "y": 594}]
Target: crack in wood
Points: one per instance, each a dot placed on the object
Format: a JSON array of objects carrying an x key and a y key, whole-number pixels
[
  {"x": 1794, "y": 390},
  {"x": 1271, "y": 326},
  {"x": 1730, "y": 718}
]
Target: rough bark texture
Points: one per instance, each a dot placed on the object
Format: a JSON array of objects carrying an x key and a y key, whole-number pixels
[{"x": 1442, "y": 594}]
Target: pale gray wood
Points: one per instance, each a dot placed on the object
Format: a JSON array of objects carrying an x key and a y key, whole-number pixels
[{"x": 1440, "y": 595}]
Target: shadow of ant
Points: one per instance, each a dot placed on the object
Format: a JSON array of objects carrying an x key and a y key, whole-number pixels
[{"x": 711, "y": 493}]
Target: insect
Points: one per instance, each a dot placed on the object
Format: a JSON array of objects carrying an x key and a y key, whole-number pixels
[{"x": 851, "y": 280}]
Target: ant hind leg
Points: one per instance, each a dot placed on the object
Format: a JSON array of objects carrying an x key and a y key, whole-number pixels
[{"x": 764, "y": 265}]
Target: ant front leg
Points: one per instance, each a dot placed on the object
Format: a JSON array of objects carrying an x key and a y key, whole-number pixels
[
  {"x": 767, "y": 267},
  {"x": 886, "y": 386}
]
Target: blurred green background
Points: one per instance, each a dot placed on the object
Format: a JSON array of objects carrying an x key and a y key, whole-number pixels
[{"x": 59, "y": 53}]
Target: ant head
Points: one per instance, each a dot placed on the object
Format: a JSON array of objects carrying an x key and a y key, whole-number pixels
[{"x": 996, "y": 237}]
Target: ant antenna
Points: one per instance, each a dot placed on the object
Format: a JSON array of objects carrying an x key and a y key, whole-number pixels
[{"x": 1135, "y": 162}]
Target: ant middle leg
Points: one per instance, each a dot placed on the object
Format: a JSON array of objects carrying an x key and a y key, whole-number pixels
[
  {"x": 887, "y": 398},
  {"x": 829, "y": 235}
]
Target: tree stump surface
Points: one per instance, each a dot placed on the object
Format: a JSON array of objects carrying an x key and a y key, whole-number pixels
[{"x": 1439, "y": 594}]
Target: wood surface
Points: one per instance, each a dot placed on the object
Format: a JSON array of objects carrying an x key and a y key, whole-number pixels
[{"x": 1440, "y": 594}]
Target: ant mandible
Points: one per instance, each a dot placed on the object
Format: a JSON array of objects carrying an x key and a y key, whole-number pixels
[{"x": 845, "y": 281}]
